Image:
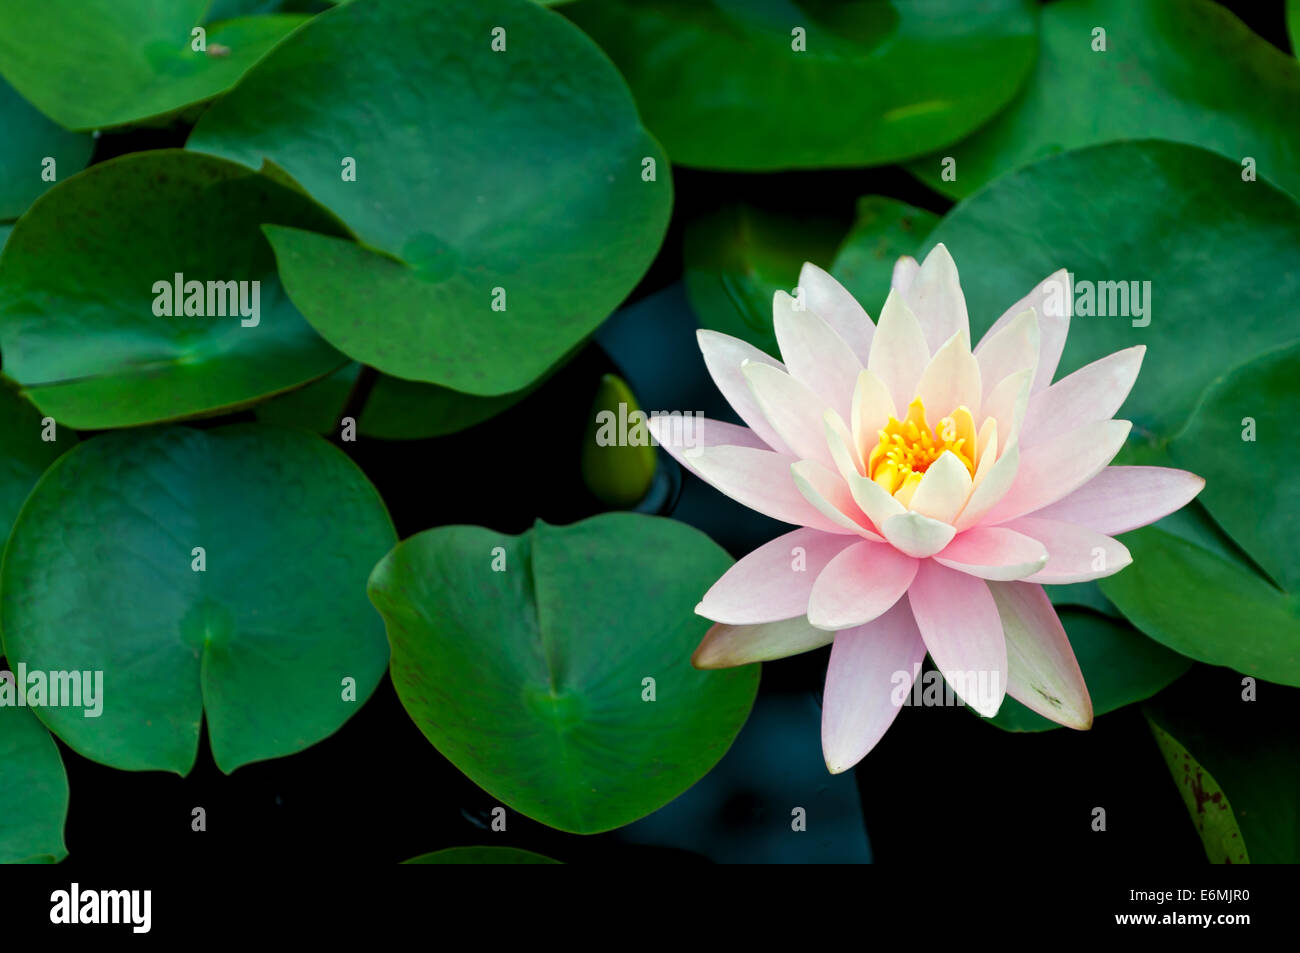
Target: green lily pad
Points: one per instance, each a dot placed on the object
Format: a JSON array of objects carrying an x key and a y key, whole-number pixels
[
  {"x": 500, "y": 221},
  {"x": 725, "y": 84},
  {"x": 1184, "y": 70},
  {"x": 1293, "y": 24},
  {"x": 530, "y": 661},
  {"x": 884, "y": 231},
  {"x": 261, "y": 638},
  {"x": 78, "y": 326},
  {"x": 1120, "y": 666},
  {"x": 29, "y": 141},
  {"x": 396, "y": 410},
  {"x": 1206, "y": 801},
  {"x": 89, "y": 64},
  {"x": 481, "y": 855},
  {"x": 33, "y": 791},
  {"x": 24, "y": 453},
  {"x": 739, "y": 256}
]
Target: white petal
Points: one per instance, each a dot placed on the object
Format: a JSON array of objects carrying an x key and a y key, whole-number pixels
[
  {"x": 1013, "y": 348},
  {"x": 725, "y": 646},
  {"x": 815, "y": 355},
  {"x": 829, "y": 494},
  {"x": 794, "y": 411},
  {"x": 943, "y": 490},
  {"x": 723, "y": 356},
  {"x": 899, "y": 353},
  {"x": 917, "y": 535},
  {"x": 936, "y": 298},
  {"x": 831, "y": 300}
]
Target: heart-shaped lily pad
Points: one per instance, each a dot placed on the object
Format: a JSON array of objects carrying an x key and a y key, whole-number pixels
[
  {"x": 482, "y": 855},
  {"x": 1099, "y": 642},
  {"x": 504, "y": 193},
  {"x": 92, "y": 324},
  {"x": 1185, "y": 70},
  {"x": 33, "y": 789},
  {"x": 28, "y": 444},
  {"x": 34, "y": 153},
  {"x": 553, "y": 668},
  {"x": 770, "y": 84},
  {"x": 215, "y": 573},
  {"x": 89, "y": 64}
]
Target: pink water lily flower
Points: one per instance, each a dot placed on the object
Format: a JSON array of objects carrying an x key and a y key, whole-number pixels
[{"x": 936, "y": 489}]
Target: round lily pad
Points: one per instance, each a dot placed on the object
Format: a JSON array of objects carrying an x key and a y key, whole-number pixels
[
  {"x": 216, "y": 573},
  {"x": 553, "y": 668},
  {"x": 770, "y": 84},
  {"x": 34, "y": 153},
  {"x": 499, "y": 219},
  {"x": 89, "y": 64},
  {"x": 91, "y": 323},
  {"x": 33, "y": 789},
  {"x": 1184, "y": 70}
]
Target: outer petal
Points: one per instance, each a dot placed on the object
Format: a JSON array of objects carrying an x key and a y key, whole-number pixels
[
  {"x": 828, "y": 298},
  {"x": 1007, "y": 403},
  {"x": 1013, "y": 348},
  {"x": 1119, "y": 499},
  {"x": 1042, "y": 672},
  {"x": 1074, "y": 553},
  {"x": 960, "y": 625},
  {"x": 723, "y": 356},
  {"x": 1053, "y": 300},
  {"x": 774, "y": 581},
  {"x": 1060, "y": 466},
  {"x": 899, "y": 353},
  {"x": 943, "y": 490},
  {"x": 829, "y": 495},
  {"x": 859, "y": 584},
  {"x": 725, "y": 646},
  {"x": 793, "y": 410},
  {"x": 1088, "y": 395},
  {"x": 951, "y": 379},
  {"x": 685, "y": 436},
  {"x": 917, "y": 535},
  {"x": 815, "y": 355},
  {"x": 871, "y": 671},
  {"x": 994, "y": 552},
  {"x": 936, "y": 298},
  {"x": 760, "y": 479}
]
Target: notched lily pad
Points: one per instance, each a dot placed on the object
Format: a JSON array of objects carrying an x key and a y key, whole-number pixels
[
  {"x": 498, "y": 221},
  {"x": 553, "y": 668},
  {"x": 216, "y": 573}
]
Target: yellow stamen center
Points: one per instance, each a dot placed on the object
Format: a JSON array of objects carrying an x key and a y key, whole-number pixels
[{"x": 908, "y": 447}]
